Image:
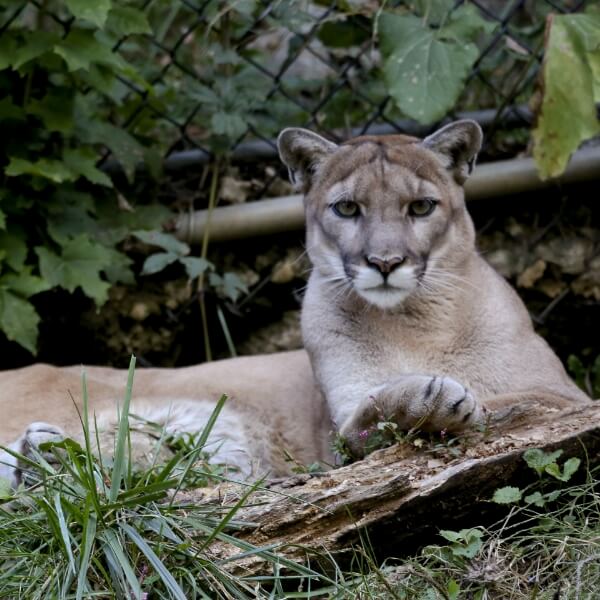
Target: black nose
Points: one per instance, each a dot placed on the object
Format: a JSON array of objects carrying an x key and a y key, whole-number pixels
[{"x": 384, "y": 265}]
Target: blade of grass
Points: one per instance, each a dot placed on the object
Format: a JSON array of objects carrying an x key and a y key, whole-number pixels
[
  {"x": 226, "y": 332},
  {"x": 64, "y": 531},
  {"x": 153, "y": 559},
  {"x": 119, "y": 461},
  {"x": 119, "y": 561},
  {"x": 87, "y": 543}
]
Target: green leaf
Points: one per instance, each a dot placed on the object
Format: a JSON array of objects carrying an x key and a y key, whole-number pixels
[
  {"x": 538, "y": 459},
  {"x": 125, "y": 148},
  {"x": 157, "y": 262},
  {"x": 125, "y": 20},
  {"x": 465, "y": 23},
  {"x": 195, "y": 266},
  {"x": 231, "y": 125},
  {"x": 94, "y": 11},
  {"x": 81, "y": 48},
  {"x": 8, "y": 47},
  {"x": 433, "y": 11},
  {"x": 119, "y": 269},
  {"x": 2, "y": 220},
  {"x": 453, "y": 589},
  {"x": 18, "y": 320},
  {"x": 536, "y": 499},
  {"x": 507, "y": 495},
  {"x": 82, "y": 161},
  {"x": 166, "y": 241},
  {"x": 15, "y": 247},
  {"x": 79, "y": 265},
  {"x": 54, "y": 170},
  {"x": 55, "y": 109},
  {"x": 233, "y": 286},
  {"x": 33, "y": 46},
  {"x": 569, "y": 468},
  {"x": 6, "y": 490},
  {"x": 424, "y": 72},
  {"x": 570, "y": 73},
  {"x": 24, "y": 283},
  {"x": 8, "y": 110}
]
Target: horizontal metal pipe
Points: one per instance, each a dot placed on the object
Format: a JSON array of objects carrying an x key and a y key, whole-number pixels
[
  {"x": 254, "y": 150},
  {"x": 278, "y": 215}
]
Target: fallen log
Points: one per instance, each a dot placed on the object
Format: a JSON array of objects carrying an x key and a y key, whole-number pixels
[{"x": 399, "y": 497}]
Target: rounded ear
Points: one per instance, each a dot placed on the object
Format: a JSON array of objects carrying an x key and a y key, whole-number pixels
[
  {"x": 457, "y": 144},
  {"x": 302, "y": 152}
]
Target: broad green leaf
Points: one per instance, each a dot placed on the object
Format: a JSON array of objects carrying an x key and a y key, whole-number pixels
[
  {"x": 35, "y": 44},
  {"x": 6, "y": 490},
  {"x": 166, "y": 241},
  {"x": 569, "y": 468},
  {"x": 14, "y": 244},
  {"x": 54, "y": 170},
  {"x": 453, "y": 589},
  {"x": 8, "y": 47},
  {"x": 119, "y": 269},
  {"x": 465, "y": 23},
  {"x": 424, "y": 71},
  {"x": 231, "y": 125},
  {"x": 538, "y": 459},
  {"x": 233, "y": 286},
  {"x": 507, "y": 495},
  {"x": 157, "y": 262},
  {"x": 2, "y": 220},
  {"x": 195, "y": 266},
  {"x": 24, "y": 283},
  {"x": 434, "y": 11},
  {"x": 55, "y": 109},
  {"x": 18, "y": 320},
  {"x": 536, "y": 499},
  {"x": 82, "y": 161},
  {"x": 79, "y": 265},
  {"x": 126, "y": 20},
  {"x": 70, "y": 221},
  {"x": 570, "y": 73},
  {"x": 8, "y": 110},
  {"x": 125, "y": 148},
  {"x": 94, "y": 11},
  {"x": 81, "y": 48}
]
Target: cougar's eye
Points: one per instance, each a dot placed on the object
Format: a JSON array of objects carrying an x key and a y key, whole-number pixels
[
  {"x": 346, "y": 209},
  {"x": 422, "y": 207}
]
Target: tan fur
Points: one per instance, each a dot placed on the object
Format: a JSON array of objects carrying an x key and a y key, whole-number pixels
[
  {"x": 444, "y": 345},
  {"x": 448, "y": 343}
]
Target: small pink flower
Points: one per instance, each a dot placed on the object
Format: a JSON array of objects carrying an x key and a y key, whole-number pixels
[{"x": 364, "y": 434}]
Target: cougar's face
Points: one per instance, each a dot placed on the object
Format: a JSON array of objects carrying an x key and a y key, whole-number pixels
[{"x": 384, "y": 223}]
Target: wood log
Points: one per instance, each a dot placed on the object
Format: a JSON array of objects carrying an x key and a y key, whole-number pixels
[{"x": 398, "y": 498}]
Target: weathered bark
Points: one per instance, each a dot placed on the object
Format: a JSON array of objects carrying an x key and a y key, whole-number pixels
[{"x": 399, "y": 497}]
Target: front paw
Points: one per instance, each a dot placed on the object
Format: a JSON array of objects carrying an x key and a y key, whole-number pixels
[
  {"x": 412, "y": 402},
  {"x": 445, "y": 404}
]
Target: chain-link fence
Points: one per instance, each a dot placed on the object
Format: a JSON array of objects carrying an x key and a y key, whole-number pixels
[{"x": 215, "y": 77}]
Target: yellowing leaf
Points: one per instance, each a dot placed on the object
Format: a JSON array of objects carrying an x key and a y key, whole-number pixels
[{"x": 568, "y": 112}]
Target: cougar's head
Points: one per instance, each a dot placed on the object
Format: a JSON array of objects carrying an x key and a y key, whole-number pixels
[{"x": 385, "y": 215}]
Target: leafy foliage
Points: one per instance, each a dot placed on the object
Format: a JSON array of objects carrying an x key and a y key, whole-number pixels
[{"x": 60, "y": 225}]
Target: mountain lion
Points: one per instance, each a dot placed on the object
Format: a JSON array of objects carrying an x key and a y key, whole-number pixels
[{"x": 402, "y": 320}]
